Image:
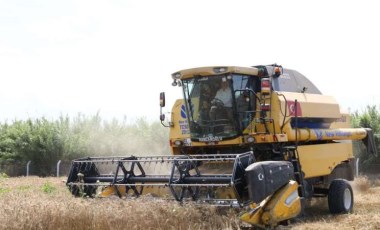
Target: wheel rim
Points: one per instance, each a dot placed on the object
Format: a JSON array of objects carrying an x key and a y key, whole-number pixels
[{"x": 347, "y": 199}]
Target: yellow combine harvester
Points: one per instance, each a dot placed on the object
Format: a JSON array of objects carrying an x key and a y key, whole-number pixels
[{"x": 262, "y": 137}]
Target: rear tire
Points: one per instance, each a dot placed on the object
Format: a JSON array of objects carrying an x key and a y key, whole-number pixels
[{"x": 340, "y": 197}]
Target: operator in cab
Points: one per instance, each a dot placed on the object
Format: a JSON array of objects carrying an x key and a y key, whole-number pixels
[{"x": 222, "y": 101}]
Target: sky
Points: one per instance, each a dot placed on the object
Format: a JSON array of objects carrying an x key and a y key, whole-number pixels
[{"x": 115, "y": 57}]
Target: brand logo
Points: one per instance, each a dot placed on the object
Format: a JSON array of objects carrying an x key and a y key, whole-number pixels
[
  {"x": 184, "y": 127},
  {"x": 260, "y": 176},
  {"x": 319, "y": 134},
  {"x": 183, "y": 112},
  {"x": 210, "y": 139}
]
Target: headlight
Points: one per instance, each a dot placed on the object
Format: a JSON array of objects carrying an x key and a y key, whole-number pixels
[
  {"x": 220, "y": 69},
  {"x": 177, "y": 143},
  {"x": 250, "y": 139},
  {"x": 176, "y": 75}
]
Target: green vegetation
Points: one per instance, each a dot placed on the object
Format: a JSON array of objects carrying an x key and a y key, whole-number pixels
[
  {"x": 4, "y": 190},
  {"x": 370, "y": 118},
  {"x": 44, "y": 142},
  {"x": 48, "y": 187},
  {"x": 3, "y": 175},
  {"x": 24, "y": 187}
]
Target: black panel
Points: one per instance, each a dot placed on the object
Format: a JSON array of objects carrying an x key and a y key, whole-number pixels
[
  {"x": 264, "y": 178},
  {"x": 238, "y": 176},
  {"x": 369, "y": 142}
]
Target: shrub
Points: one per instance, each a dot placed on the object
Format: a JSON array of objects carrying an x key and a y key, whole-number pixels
[
  {"x": 48, "y": 188},
  {"x": 44, "y": 142}
]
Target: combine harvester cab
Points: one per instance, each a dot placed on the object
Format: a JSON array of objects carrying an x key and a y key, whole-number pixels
[{"x": 262, "y": 137}]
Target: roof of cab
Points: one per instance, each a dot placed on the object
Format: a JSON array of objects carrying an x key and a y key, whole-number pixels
[
  {"x": 289, "y": 81},
  {"x": 214, "y": 70}
]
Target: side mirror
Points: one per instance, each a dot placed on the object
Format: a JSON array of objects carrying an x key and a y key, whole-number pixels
[
  {"x": 162, "y": 99},
  {"x": 162, "y": 104}
]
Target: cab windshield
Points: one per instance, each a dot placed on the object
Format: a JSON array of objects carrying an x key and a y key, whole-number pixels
[{"x": 218, "y": 106}]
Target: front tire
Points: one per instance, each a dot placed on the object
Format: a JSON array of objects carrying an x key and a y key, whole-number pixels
[{"x": 340, "y": 197}]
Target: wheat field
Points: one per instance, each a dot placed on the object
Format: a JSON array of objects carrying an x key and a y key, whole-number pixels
[{"x": 45, "y": 203}]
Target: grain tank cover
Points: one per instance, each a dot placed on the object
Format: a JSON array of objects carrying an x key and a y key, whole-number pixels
[{"x": 292, "y": 81}]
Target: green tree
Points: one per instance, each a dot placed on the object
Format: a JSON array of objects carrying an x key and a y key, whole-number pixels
[
  {"x": 44, "y": 141},
  {"x": 370, "y": 118}
]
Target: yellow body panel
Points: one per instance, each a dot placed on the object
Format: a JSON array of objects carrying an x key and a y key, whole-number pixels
[
  {"x": 254, "y": 216},
  {"x": 327, "y": 134},
  {"x": 282, "y": 205},
  {"x": 342, "y": 122},
  {"x": 111, "y": 190},
  {"x": 312, "y": 105},
  {"x": 207, "y": 71},
  {"x": 180, "y": 128},
  {"x": 321, "y": 159}
]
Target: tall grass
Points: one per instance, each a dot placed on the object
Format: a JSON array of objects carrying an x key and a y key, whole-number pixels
[
  {"x": 44, "y": 141},
  {"x": 46, "y": 203}
]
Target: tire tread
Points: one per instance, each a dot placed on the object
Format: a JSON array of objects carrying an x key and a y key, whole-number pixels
[{"x": 336, "y": 196}]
